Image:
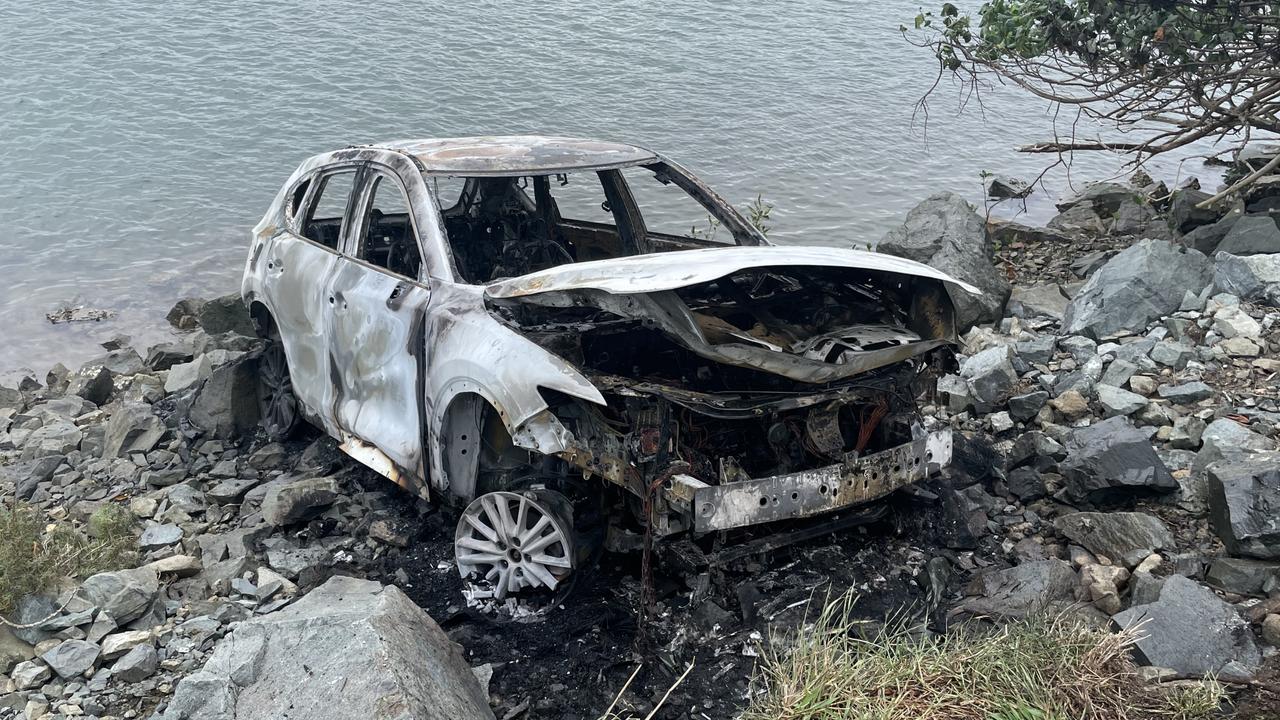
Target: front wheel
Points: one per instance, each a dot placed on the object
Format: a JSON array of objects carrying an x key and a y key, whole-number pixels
[
  {"x": 515, "y": 552},
  {"x": 277, "y": 405}
]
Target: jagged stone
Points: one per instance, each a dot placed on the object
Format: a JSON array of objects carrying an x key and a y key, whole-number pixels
[
  {"x": 1038, "y": 301},
  {"x": 945, "y": 232},
  {"x": 1244, "y": 495},
  {"x": 1112, "y": 459},
  {"x": 348, "y": 649},
  {"x": 226, "y": 314},
  {"x": 990, "y": 375},
  {"x": 1142, "y": 283},
  {"x": 1116, "y": 401},
  {"x": 1192, "y": 631},
  {"x": 124, "y": 594},
  {"x": 1125, "y": 537},
  {"x": 1019, "y": 591},
  {"x": 72, "y": 658},
  {"x": 136, "y": 665},
  {"x": 1186, "y": 393},
  {"x": 299, "y": 500},
  {"x": 1254, "y": 278},
  {"x": 1242, "y": 576},
  {"x": 226, "y": 404},
  {"x": 1252, "y": 235},
  {"x": 133, "y": 427}
]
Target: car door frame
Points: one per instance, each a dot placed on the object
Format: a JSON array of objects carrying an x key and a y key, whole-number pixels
[
  {"x": 309, "y": 370},
  {"x": 369, "y": 406}
]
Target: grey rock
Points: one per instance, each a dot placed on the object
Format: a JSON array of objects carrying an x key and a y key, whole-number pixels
[
  {"x": 1020, "y": 591},
  {"x": 205, "y": 696},
  {"x": 226, "y": 314},
  {"x": 1118, "y": 373},
  {"x": 136, "y": 665},
  {"x": 1144, "y": 588},
  {"x": 1192, "y": 631},
  {"x": 1104, "y": 198},
  {"x": 1207, "y": 238},
  {"x": 299, "y": 500},
  {"x": 72, "y": 658},
  {"x": 189, "y": 374},
  {"x": 1110, "y": 460},
  {"x": 1187, "y": 433},
  {"x": 124, "y": 594},
  {"x": 945, "y": 232},
  {"x": 133, "y": 427},
  {"x": 1024, "y": 407},
  {"x": 164, "y": 356},
  {"x": 226, "y": 404},
  {"x": 117, "y": 644},
  {"x": 1037, "y": 350},
  {"x": 27, "y": 476},
  {"x": 1142, "y": 283},
  {"x": 1004, "y": 187},
  {"x": 1078, "y": 220},
  {"x": 990, "y": 375},
  {"x": 1184, "y": 215},
  {"x": 1252, "y": 235},
  {"x": 1124, "y": 537},
  {"x": 1227, "y": 439},
  {"x": 32, "y": 609},
  {"x": 1026, "y": 484},
  {"x": 1116, "y": 401},
  {"x": 1242, "y": 576},
  {"x": 30, "y": 674},
  {"x": 230, "y": 491},
  {"x": 1172, "y": 354},
  {"x": 185, "y": 313},
  {"x": 1254, "y": 278},
  {"x": 186, "y": 498},
  {"x": 158, "y": 536},
  {"x": 12, "y": 650},
  {"x": 1186, "y": 393},
  {"x": 349, "y": 649},
  {"x": 1045, "y": 300},
  {"x": 294, "y": 562},
  {"x": 1244, "y": 498}
]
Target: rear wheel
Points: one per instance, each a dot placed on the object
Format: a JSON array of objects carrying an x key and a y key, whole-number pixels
[
  {"x": 277, "y": 405},
  {"x": 516, "y": 552}
]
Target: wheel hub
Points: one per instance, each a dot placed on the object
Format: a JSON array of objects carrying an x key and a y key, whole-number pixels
[{"x": 511, "y": 543}]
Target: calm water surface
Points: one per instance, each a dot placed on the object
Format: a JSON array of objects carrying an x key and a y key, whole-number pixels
[{"x": 140, "y": 140}]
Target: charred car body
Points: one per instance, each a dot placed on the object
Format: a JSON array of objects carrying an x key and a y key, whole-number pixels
[{"x": 562, "y": 335}]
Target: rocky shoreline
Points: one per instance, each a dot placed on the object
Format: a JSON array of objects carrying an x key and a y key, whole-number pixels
[{"x": 1118, "y": 416}]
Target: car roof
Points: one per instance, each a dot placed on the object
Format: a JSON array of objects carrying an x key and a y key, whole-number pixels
[{"x": 518, "y": 154}]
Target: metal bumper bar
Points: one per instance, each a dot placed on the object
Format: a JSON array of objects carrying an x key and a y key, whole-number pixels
[{"x": 812, "y": 492}]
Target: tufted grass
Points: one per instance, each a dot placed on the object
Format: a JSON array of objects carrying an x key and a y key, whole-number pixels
[
  {"x": 35, "y": 556},
  {"x": 1037, "y": 669}
]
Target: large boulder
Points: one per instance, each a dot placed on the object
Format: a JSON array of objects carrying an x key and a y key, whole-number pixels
[
  {"x": 125, "y": 595},
  {"x": 226, "y": 403},
  {"x": 1193, "y": 632},
  {"x": 1124, "y": 537},
  {"x": 133, "y": 427},
  {"x": 945, "y": 232},
  {"x": 1252, "y": 235},
  {"x": 225, "y": 314},
  {"x": 1144, "y": 282},
  {"x": 1244, "y": 504},
  {"x": 351, "y": 649},
  {"x": 1112, "y": 460},
  {"x": 1255, "y": 277},
  {"x": 298, "y": 500},
  {"x": 1020, "y": 591},
  {"x": 990, "y": 376}
]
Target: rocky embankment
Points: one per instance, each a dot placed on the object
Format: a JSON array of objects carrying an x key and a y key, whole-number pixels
[{"x": 1118, "y": 413}]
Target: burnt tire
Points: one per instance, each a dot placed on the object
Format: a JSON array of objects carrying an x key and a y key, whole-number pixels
[{"x": 278, "y": 410}]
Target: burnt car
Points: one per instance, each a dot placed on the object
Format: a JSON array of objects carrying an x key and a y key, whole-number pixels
[{"x": 568, "y": 339}]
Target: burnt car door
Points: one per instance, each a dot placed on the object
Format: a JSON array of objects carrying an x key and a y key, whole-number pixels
[
  {"x": 378, "y": 298},
  {"x": 300, "y": 262}
]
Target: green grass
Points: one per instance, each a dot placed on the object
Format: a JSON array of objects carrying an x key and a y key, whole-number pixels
[
  {"x": 1036, "y": 669},
  {"x": 35, "y": 556}
]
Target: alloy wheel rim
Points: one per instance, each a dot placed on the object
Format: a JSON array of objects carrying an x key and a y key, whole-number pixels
[
  {"x": 512, "y": 542},
  {"x": 277, "y": 404}
]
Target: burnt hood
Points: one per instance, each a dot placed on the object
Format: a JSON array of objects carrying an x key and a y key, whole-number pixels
[{"x": 656, "y": 272}]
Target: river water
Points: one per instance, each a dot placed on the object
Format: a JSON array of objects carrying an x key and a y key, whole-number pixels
[{"x": 141, "y": 139}]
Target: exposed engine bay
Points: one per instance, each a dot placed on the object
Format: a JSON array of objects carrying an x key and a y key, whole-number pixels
[{"x": 761, "y": 373}]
